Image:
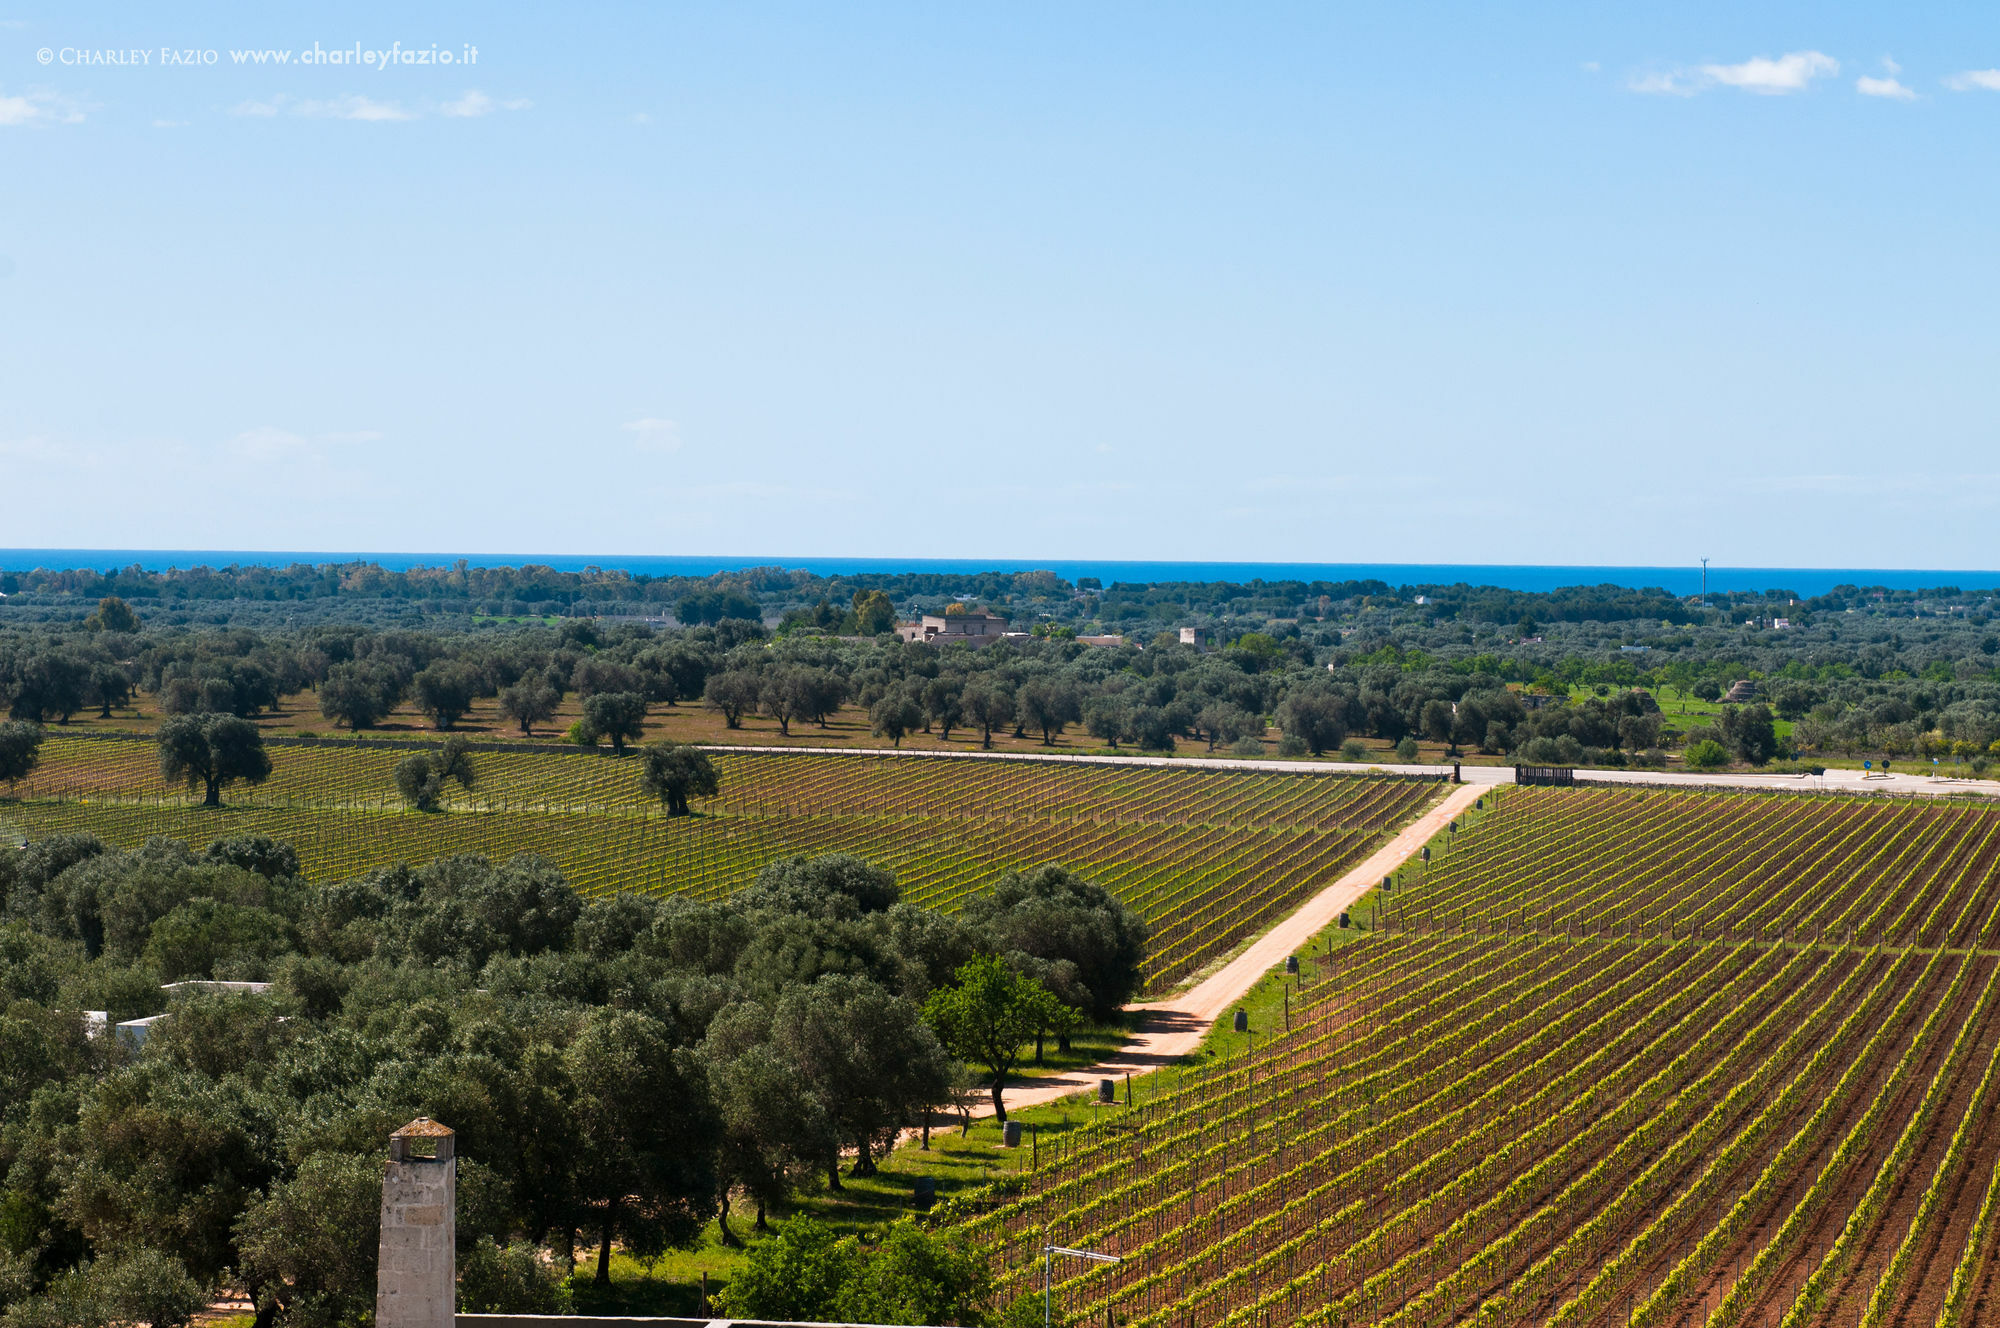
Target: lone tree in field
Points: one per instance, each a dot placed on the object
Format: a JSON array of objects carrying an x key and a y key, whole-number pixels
[
  {"x": 989, "y": 1016},
  {"x": 421, "y": 777},
  {"x": 893, "y": 716},
  {"x": 444, "y": 692},
  {"x": 529, "y": 702},
  {"x": 619, "y": 716},
  {"x": 212, "y": 750},
  {"x": 20, "y": 750},
  {"x": 674, "y": 772},
  {"x": 733, "y": 693}
]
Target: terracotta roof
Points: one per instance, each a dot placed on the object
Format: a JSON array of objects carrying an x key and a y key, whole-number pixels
[{"x": 423, "y": 1127}]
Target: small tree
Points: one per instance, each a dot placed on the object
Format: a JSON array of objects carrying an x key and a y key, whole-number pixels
[
  {"x": 528, "y": 703},
  {"x": 113, "y": 615},
  {"x": 619, "y": 716},
  {"x": 356, "y": 696},
  {"x": 733, "y": 693},
  {"x": 214, "y": 751},
  {"x": 1708, "y": 754},
  {"x": 893, "y": 716},
  {"x": 421, "y": 777},
  {"x": 674, "y": 772},
  {"x": 1049, "y": 706},
  {"x": 309, "y": 1242},
  {"x": 1316, "y": 718},
  {"x": 780, "y": 697},
  {"x": 20, "y": 750},
  {"x": 988, "y": 1016},
  {"x": 444, "y": 692},
  {"x": 987, "y": 707}
]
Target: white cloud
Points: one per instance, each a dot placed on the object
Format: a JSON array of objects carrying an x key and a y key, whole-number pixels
[
  {"x": 640, "y": 117},
  {"x": 654, "y": 435},
  {"x": 170, "y": 124},
  {"x": 39, "y": 106},
  {"x": 260, "y": 109},
  {"x": 1891, "y": 65},
  {"x": 354, "y": 108},
  {"x": 1792, "y": 72},
  {"x": 1975, "y": 80},
  {"x": 473, "y": 103},
  {"x": 1883, "y": 87},
  {"x": 1590, "y": 66},
  {"x": 476, "y": 103}
]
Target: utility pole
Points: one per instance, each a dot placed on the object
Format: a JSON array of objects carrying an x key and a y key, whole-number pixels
[{"x": 1704, "y": 581}]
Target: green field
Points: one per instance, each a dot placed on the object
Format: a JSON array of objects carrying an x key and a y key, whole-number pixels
[{"x": 1208, "y": 857}]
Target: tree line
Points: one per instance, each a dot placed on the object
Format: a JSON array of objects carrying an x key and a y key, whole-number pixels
[{"x": 623, "y": 1071}]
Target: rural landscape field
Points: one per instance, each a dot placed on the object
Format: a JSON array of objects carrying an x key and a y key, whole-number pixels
[
  {"x": 769, "y": 665},
  {"x": 1662, "y": 1085},
  {"x": 1207, "y": 859}
]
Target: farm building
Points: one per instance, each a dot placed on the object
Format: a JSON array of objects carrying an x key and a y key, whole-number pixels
[{"x": 974, "y": 629}]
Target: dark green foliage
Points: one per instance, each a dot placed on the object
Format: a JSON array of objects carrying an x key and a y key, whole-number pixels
[
  {"x": 893, "y": 716},
  {"x": 807, "y": 1272},
  {"x": 212, "y": 751},
  {"x": 20, "y": 749},
  {"x": 733, "y": 694},
  {"x": 445, "y": 691},
  {"x": 1056, "y": 916},
  {"x": 715, "y": 606},
  {"x": 308, "y": 1244},
  {"x": 509, "y": 1279},
  {"x": 129, "y": 1287},
  {"x": 421, "y": 777},
  {"x": 613, "y": 1071},
  {"x": 989, "y": 1016},
  {"x": 674, "y": 772},
  {"x": 358, "y": 695},
  {"x": 528, "y": 703},
  {"x": 113, "y": 615},
  {"x": 619, "y": 716}
]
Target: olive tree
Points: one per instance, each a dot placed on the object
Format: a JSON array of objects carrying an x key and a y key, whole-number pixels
[
  {"x": 213, "y": 751},
  {"x": 673, "y": 772}
]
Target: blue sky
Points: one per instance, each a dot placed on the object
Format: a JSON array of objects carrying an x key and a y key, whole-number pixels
[{"x": 1573, "y": 284}]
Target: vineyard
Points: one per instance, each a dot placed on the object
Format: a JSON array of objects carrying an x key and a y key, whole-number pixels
[
  {"x": 1614, "y": 1057},
  {"x": 1208, "y": 858}
]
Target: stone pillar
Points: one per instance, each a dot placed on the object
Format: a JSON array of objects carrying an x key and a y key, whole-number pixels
[{"x": 416, "y": 1277}]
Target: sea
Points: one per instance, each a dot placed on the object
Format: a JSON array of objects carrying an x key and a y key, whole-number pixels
[{"x": 1537, "y": 577}]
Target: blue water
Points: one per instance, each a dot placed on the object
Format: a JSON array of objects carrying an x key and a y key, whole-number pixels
[{"x": 1679, "y": 580}]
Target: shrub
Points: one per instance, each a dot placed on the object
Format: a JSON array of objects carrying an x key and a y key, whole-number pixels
[
  {"x": 511, "y": 1279},
  {"x": 1708, "y": 754},
  {"x": 1293, "y": 745},
  {"x": 1406, "y": 750},
  {"x": 1354, "y": 750}
]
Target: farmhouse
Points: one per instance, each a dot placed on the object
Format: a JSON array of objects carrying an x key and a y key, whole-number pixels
[{"x": 973, "y": 629}]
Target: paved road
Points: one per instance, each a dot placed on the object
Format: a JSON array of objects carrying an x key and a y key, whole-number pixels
[
  {"x": 1849, "y": 781},
  {"x": 1170, "y": 1029}
]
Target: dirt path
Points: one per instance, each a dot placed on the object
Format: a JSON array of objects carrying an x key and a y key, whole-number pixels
[{"x": 1170, "y": 1029}]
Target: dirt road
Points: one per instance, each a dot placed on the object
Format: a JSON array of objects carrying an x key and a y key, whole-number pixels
[{"x": 1174, "y": 1027}]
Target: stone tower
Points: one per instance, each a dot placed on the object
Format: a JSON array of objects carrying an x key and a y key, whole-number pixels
[{"x": 416, "y": 1278}]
